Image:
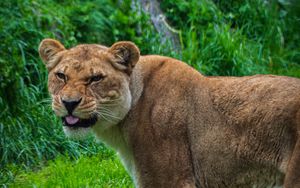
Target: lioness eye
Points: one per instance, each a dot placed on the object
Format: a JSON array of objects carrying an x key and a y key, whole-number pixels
[
  {"x": 61, "y": 76},
  {"x": 95, "y": 78}
]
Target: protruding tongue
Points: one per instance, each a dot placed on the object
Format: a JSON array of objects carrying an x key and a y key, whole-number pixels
[{"x": 71, "y": 120}]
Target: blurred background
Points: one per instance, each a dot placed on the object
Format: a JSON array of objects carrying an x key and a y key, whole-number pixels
[{"x": 217, "y": 37}]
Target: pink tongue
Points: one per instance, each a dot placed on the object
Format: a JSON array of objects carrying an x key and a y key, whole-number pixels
[{"x": 72, "y": 120}]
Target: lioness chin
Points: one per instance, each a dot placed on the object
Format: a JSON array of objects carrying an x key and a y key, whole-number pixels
[{"x": 173, "y": 127}]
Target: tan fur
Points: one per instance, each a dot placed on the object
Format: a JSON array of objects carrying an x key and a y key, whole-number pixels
[{"x": 174, "y": 127}]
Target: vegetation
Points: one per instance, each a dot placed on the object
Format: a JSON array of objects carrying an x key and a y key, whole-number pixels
[
  {"x": 95, "y": 171},
  {"x": 237, "y": 37},
  {"x": 234, "y": 37}
]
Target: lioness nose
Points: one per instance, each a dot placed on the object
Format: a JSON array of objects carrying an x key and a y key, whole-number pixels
[{"x": 71, "y": 105}]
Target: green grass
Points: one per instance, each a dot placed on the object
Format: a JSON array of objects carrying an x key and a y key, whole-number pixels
[{"x": 94, "y": 171}]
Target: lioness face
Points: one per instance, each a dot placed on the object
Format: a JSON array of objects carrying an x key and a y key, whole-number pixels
[{"x": 89, "y": 84}]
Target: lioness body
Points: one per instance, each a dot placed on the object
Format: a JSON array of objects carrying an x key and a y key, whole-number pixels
[
  {"x": 220, "y": 131},
  {"x": 182, "y": 129}
]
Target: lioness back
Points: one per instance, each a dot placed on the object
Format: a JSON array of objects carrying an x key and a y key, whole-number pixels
[{"x": 172, "y": 126}]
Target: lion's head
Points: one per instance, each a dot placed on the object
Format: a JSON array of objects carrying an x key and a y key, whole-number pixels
[{"x": 89, "y": 84}]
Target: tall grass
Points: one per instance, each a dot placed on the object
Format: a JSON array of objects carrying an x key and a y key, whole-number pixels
[{"x": 238, "y": 37}]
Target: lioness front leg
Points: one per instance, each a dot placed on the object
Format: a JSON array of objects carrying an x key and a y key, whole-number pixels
[
  {"x": 165, "y": 170},
  {"x": 163, "y": 160},
  {"x": 165, "y": 180}
]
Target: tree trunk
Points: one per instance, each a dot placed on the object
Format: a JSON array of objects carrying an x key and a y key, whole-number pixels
[{"x": 167, "y": 33}]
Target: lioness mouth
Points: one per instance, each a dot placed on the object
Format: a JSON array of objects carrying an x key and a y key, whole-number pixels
[{"x": 73, "y": 121}]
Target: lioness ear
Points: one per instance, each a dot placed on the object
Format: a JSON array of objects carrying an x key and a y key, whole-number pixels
[
  {"x": 48, "y": 50},
  {"x": 125, "y": 54}
]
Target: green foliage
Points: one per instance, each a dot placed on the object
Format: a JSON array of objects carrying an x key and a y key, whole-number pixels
[
  {"x": 238, "y": 37},
  {"x": 95, "y": 171}
]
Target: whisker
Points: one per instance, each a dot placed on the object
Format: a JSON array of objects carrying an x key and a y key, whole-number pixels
[
  {"x": 104, "y": 108},
  {"x": 110, "y": 115},
  {"x": 107, "y": 116},
  {"x": 102, "y": 116},
  {"x": 111, "y": 105},
  {"x": 105, "y": 111}
]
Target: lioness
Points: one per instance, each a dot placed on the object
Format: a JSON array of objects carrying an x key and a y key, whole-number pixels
[{"x": 172, "y": 126}]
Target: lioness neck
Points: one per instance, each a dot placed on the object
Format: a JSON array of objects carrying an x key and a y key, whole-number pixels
[{"x": 114, "y": 138}]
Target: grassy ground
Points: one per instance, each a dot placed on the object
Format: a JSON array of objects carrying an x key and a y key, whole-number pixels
[{"x": 87, "y": 171}]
